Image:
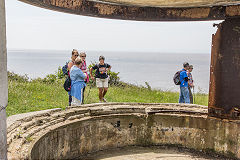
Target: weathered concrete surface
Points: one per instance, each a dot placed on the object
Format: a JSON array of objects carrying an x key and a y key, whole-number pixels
[
  {"x": 3, "y": 82},
  {"x": 18, "y": 117},
  {"x": 81, "y": 130},
  {"x": 143, "y": 10},
  {"x": 173, "y": 3},
  {"x": 224, "y": 101},
  {"x": 147, "y": 153}
]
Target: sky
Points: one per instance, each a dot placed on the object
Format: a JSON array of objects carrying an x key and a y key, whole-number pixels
[{"x": 30, "y": 27}]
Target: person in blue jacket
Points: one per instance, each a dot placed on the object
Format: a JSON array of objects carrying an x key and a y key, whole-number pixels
[
  {"x": 77, "y": 82},
  {"x": 184, "y": 92}
]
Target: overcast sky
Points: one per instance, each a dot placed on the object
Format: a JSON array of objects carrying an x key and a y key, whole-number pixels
[{"x": 30, "y": 27}]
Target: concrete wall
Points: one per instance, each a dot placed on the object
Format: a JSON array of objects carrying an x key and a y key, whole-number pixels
[
  {"x": 77, "y": 139},
  {"x": 77, "y": 131},
  {"x": 3, "y": 81}
]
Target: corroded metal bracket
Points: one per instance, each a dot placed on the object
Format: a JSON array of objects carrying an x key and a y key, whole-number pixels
[
  {"x": 132, "y": 11},
  {"x": 224, "y": 93}
]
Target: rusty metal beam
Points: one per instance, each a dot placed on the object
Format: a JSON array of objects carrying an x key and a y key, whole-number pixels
[
  {"x": 139, "y": 13},
  {"x": 224, "y": 94}
]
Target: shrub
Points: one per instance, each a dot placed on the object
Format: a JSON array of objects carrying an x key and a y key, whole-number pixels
[
  {"x": 50, "y": 78},
  {"x": 15, "y": 77},
  {"x": 59, "y": 73}
]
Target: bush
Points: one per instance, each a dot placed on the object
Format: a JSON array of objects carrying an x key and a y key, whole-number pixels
[
  {"x": 15, "y": 77},
  {"x": 59, "y": 73},
  {"x": 50, "y": 78}
]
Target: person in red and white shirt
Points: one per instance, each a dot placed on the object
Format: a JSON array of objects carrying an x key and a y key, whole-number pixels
[{"x": 190, "y": 83}]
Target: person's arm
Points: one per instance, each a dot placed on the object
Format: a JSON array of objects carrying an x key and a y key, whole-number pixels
[
  {"x": 91, "y": 73},
  {"x": 85, "y": 71},
  {"x": 82, "y": 75},
  {"x": 186, "y": 77},
  {"x": 191, "y": 83},
  {"x": 108, "y": 68},
  {"x": 70, "y": 64}
]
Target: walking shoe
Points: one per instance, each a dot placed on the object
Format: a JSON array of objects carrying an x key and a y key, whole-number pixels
[{"x": 104, "y": 100}]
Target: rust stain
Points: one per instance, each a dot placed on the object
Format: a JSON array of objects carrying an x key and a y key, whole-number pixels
[
  {"x": 190, "y": 13},
  {"x": 174, "y": 12},
  {"x": 70, "y": 4},
  {"x": 233, "y": 10},
  {"x": 216, "y": 38},
  {"x": 131, "y": 12},
  {"x": 224, "y": 87},
  {"x": 105, "y": 9},
  {"x": 196, "y": 13}
]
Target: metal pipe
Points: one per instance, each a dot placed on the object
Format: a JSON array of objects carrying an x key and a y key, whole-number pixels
[{"x": 3, "y": 83}]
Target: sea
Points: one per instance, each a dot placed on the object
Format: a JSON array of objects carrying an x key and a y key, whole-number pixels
[{"x": 155, "y": 68}]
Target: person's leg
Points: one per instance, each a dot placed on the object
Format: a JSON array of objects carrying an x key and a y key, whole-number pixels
[
  {"x": 100, "y": 88},
  {"x": 105, "y": 85},
  {"x": 105, "y": 91},
  {"x": 181, "y": 100},
  {"x": 83, "y": 90},
  {"x": 82, "y": 95},
  {"x": 100, "y": 93},
  {"x": 186, "y": 94},
  {"x": 190, "y": 95},
  {"x": 69, "y": 100}
]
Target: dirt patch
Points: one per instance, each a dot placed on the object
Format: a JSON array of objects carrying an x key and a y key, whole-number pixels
[{"x": 150, "y": 153}]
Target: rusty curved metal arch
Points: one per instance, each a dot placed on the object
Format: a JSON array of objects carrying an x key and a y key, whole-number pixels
[{"x": 127, "y": 11}]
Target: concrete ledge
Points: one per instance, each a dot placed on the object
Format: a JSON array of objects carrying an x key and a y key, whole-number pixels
[
  {"x": 107, "y": 9},
  {"x": 78, "y": 131},
  {"x": 20, "y": 117}
]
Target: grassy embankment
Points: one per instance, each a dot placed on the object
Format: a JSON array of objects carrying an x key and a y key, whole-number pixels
[{"x": 48, "y": 93}]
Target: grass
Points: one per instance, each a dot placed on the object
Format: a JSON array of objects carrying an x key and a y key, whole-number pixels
[
  {"x": 28, "y": 96},
  {"x": 34, "y": 96}
]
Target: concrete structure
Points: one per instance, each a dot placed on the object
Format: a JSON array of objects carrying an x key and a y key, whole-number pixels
[
  {"x": 224, "y": 91},
  {"x": 224, "y": 85},
  {"x": 3, "y": 82},
  {"x": 146, "y": 10},
  {"x": 80, "y": 131}
]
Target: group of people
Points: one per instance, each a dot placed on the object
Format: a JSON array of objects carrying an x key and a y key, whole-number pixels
[
  {"x": 186, "y": 84},
  {"x": 78, "y": 72}
]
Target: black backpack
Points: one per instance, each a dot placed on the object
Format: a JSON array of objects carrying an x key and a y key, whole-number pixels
[
  {"x": 65, "y": 69},
  {"x": 67, "y": 84},
  {"x": 176, "y": 78}
]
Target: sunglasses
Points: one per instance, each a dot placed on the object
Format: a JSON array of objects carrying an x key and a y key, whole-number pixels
[
  {"x": 76, "y": 55},
  {"x": 83, "y": 56}
]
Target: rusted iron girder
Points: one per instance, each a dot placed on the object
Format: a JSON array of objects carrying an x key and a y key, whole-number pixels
[
  {"x": 114, "y": 11},
  {"x": 224, "y": 93}
]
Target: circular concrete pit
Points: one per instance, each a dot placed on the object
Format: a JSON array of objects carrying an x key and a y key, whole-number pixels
[{"x": 80, "y": 132}]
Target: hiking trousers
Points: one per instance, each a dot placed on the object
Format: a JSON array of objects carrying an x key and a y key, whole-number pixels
[
  {"x": 190, "y": 95},
  {"x": 184, "y": 95}
]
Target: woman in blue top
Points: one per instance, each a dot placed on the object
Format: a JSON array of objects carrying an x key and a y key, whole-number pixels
[{"x": 77, "y": 82}]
